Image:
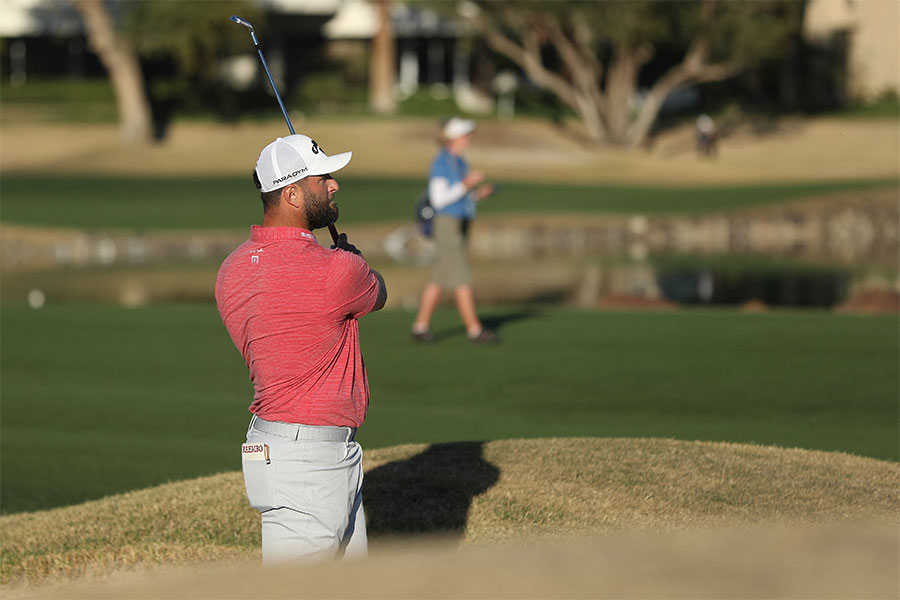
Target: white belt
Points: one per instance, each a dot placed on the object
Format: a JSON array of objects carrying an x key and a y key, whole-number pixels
[{"x": 298, "y": 431}]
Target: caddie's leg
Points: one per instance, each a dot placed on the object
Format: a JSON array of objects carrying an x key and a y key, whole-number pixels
[
  {"x": 431, "y": 296},
  {"x": 465, "y": 304}
]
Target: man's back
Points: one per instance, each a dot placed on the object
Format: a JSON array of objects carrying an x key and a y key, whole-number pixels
[{"x": 290, "y": 307}]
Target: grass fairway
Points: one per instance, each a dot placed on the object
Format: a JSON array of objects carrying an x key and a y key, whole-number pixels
[
  {"x": 141, "y": 203},
  {"x": 100, "y": 399}
]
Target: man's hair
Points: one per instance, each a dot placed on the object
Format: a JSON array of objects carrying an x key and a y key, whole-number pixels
[{"x": 269, "y": 199}]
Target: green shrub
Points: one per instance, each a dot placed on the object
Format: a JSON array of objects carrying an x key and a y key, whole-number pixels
[
  {"x": 63, "y": 99},
  {"x": 329, "y": 91}
]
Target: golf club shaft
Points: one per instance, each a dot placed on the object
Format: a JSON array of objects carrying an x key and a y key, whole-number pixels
[{"x": 331, "y": 228}]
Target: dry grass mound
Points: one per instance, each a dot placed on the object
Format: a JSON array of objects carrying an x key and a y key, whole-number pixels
[
  {"x": 781, "y": 563},
  {"x": 475, "y": 495}
]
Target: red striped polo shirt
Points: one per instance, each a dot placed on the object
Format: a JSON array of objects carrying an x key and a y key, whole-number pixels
[{"x": 291, "y": 308}]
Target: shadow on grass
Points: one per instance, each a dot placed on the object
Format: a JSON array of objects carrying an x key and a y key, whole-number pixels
[
  {"x": 428, "y": 494},
  {"x": 495, "y": 322}
]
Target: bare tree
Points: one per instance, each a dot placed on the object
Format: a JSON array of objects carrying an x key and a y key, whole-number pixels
[
  {"x": 381, "y": 66},
  {"x": 590, "y": 54},
  {"x": 121, "y": 63}
]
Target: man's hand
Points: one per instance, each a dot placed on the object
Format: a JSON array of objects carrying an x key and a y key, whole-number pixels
[
  {"x": 343, "y": 244},
  {"x": 472, "y": 179},
  {"x": 484, "y": 191}
]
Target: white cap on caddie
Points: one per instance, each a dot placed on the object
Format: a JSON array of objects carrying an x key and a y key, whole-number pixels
[
  {"x": 456, "y": 128},
  {"x": 289, "y": 159}
]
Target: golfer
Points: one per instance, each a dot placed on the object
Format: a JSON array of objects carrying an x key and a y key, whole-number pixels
[
  {"x": 453, "y": 191},
  {"x": 291, "y": 307}
]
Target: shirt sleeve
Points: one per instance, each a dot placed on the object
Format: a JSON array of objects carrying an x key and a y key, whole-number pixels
[
  {"x": 352, "y": 287},
  {"x": 441, "y": 193},
  {"x": 445, "y": 181}
]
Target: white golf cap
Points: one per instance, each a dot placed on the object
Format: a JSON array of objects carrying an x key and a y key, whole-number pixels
[
  {"x": 289, "y": 159},
  {"x": 456, "y": 128}
]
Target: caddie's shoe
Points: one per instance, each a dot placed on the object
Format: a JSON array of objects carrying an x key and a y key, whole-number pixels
[
  {"x": 423, "y": 337},
  {"x": 485, "y": 336}
]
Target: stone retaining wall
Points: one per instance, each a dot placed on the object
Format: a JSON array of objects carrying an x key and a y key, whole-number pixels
[{"x": 864, "y": 231}]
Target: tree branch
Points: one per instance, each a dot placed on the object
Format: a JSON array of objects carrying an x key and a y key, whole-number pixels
[
  {"x": 692, "y": 69},
  {"x": 582, "y": 69},
  {"x": 585, "y": 39},
  {"x": 527, "y": 55}
]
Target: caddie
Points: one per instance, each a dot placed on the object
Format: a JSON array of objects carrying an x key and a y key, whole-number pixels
[{"x": 291, "y": 307}]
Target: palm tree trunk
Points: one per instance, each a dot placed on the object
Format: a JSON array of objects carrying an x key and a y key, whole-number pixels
[
  {"x": 381, "y": 68},
  {"x": 121, "y": 63}
]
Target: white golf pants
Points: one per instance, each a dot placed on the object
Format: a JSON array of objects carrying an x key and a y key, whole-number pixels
[{"x": 308, "y": 492}]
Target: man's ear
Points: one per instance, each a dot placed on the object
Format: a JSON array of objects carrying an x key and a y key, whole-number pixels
[{"x": 293, "y": 195}]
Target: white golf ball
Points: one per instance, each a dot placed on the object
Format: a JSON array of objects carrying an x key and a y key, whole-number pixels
[{"x": 36, "y": 299}]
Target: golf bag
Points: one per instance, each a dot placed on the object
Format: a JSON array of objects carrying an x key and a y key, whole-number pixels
[{"x": 424, "y": 213}]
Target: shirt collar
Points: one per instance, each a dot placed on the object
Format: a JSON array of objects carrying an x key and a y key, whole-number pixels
[{"x": 258, "y": 233}]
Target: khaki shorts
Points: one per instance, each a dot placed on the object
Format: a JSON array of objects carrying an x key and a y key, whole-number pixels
[{"x": 451, "y": 266}]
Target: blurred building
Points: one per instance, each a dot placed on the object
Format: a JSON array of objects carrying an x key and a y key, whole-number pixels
[
  {"x": 45, "y": 38},
  {"x": 868, "y": 31},
  {"x": 434, "y": 51},
  {"x": 431, "y": 50}
]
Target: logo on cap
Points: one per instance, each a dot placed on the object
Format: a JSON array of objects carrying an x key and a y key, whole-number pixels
[{"x": 289, "y": 175}]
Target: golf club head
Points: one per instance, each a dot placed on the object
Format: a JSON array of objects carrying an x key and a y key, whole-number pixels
[{"x": 241, "y": 21}]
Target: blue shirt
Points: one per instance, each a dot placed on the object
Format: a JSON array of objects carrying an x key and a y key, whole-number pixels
[{"x": 454, "y": 169}]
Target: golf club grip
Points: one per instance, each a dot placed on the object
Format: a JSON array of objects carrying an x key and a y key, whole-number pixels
[{"x": 334, "y": 233}]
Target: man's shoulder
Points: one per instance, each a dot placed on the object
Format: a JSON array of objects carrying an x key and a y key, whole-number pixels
[
  {"x": 341, "y": 260},
  {"x": 277, "y": 253},
  {"x": 240, "y": 250},
  {"x": 315, "y": 258}
]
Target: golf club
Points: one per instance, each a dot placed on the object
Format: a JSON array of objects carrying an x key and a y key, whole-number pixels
[{"x": 331, "y": 228}]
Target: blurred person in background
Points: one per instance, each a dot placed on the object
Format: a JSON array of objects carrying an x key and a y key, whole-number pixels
[
  {"x": 707, "y": 136},
  {"x": 292, "y": 307},
  {"x": 453, "y": 191}
]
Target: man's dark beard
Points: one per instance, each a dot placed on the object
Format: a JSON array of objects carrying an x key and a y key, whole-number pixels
[{"x": 320, "y": 212}]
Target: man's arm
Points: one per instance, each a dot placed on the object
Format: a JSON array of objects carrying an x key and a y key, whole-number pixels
[
  {"x": 442, "y": 194},
  {"x": 343, "y": 243},
  {"x": 382, "y": 291}
]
